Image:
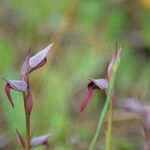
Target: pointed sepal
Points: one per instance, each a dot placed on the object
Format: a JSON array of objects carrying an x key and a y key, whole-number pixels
[
  {"x": 20, "y": 139},
  {"x": 114, "y": 60}
]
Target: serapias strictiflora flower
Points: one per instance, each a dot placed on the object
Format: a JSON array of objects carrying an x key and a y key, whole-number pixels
[
  {"x": 36, "y": 141},
  {"x": 16, "y": 85},
  {"x": 101, "y": 83},
  {"x": 35, "y": 62}
]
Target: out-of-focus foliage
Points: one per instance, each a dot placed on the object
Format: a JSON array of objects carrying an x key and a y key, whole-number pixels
[{"x": 84, "y": 35}]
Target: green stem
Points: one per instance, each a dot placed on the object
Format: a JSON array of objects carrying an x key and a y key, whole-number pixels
[
  {"x": 106, "y": 105},
  {"x": 109, "y": 128}
]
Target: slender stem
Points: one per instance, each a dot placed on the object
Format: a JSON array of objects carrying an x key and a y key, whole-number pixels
[
  {"x": 109, "y": 127},
  {"x": 27, "y": 120},
  {"x": 102, "y": 115},
  {"x": 106, "y": 105},
  {"x": 100, "y": 122}
]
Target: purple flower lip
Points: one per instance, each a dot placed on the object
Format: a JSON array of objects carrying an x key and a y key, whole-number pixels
[{"x": 94, "y": 84}]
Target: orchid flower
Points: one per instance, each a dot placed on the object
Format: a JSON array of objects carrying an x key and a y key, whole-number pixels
[
  {"x": 35, "y": 62},
  {"x": 101, "y": 83},
  {"x": 16, "y": 85},
  {"x": 30, "y": 64}
]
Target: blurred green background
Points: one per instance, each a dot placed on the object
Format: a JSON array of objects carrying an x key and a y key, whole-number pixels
[{"x": 84, "y": 33}]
